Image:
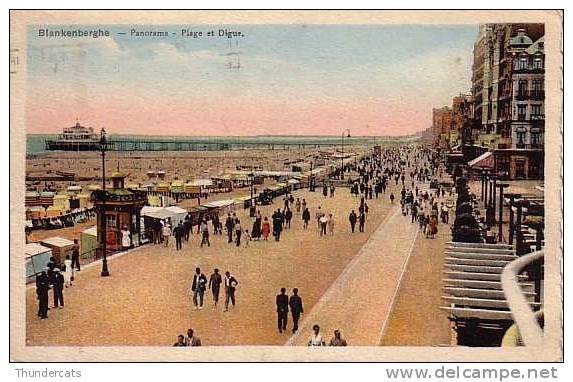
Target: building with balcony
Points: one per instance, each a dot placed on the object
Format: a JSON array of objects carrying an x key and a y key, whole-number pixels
[{"x": 508, "y": 97}]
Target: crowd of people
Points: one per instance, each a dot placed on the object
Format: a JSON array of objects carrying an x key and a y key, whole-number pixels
[{"x": 396, "y": 172}]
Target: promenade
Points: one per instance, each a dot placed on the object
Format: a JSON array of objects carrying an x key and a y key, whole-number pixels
[{"x": 146, "y": 299}]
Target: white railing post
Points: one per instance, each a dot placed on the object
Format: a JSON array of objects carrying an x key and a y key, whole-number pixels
[{"x": 525, "y": 319}]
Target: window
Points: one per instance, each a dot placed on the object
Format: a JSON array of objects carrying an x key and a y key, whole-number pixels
[
  {"x": 110, "y": 221},
  {"x": 521, "y": 110},
  {"x": 535, "y": 139},
  {"x": 522, "y": 64},
  {"x": 522, "y": 88},
  {"x": 537, "y": 89},
  {"x": 536, "y": 110},
  {"x": 520, "y": 139},
  {"x": 538, "y": 63}
]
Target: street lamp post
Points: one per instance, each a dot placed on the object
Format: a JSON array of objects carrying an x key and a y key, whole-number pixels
[
  {"x": 501, "y": 187},
  {"x": 342, "y": 159},
  {"x": 103, "y": 148},
  {"x": 252, "y": 210}
]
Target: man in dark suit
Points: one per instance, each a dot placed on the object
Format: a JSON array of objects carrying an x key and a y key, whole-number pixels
[
  {"x": 352, "y": 219},
  {"x": 198, "y": 287},
  {"x": 76, "y": 255},
  {"x": 187, "y": 227},
  {"x": 178, "y": 233},
  {"x": 282, "y": 310},
  {"x": 42, "y": 287},
  {"x": 296, "y": 310},
  {"x": 215, "y": 284},
  {"x": 58, "y": 288},
  {"x": 229, "y": 225}
]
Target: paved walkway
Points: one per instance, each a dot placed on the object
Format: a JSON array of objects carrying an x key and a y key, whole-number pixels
[{"x": 360, "y": 300}]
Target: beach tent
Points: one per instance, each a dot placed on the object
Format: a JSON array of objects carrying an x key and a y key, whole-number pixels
[
  {"x": 157, "y": 213},
  {"x": 62, "y": 202},
  {"x": 178, "y": 214},
  {"x": 88, "y": 240},
  {"x": 177, "y": 186},
  {"x": 60, "y": 247},
  {"x": 37, "y": 257}
]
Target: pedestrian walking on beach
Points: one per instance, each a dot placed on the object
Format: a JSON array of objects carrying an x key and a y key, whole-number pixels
[
  {"x": 230, "y": 288},
  {"x": 215, "y": 281},
  {"x": 282, "y": 302},
  {"x": 337, "y": 340},
  {"x": 303, "y": 204},
  {"x": 392, "y": 197},
  {"x": 325, "y": 190},
  {"x": 58, "y": 289},
  {"x": 266, "y": 228},
  {"x": 205, "y": 233},
  {"x": 332, "y": 190},
  {"x": 166, "y": 232},
  {"x": 192, "y": 339},
  {"x": 295, "y": 303},
  {"x": 297, "y": 205},
  {"x": 42, "y": 288},
  {"x": 305, "y": 218},
  {"x": 316, "y": 337},
  {"x": 178, "y": 233},
  {"x": 352, "y": 218},
  {"x": 198, "y": 288},
  {"x": 76, "y": 255}
]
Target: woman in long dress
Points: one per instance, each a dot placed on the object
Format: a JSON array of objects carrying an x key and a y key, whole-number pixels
[
  {"x": 256, "y": 231},
  {"x": 69, "y": 272},
  {"x": 330, "y": 224},
  {"x": 266, "y": 228}
]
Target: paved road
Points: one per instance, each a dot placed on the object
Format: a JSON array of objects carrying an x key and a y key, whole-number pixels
[{"x": 360, "y": 300}]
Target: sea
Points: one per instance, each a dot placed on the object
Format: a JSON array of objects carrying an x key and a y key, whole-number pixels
[{"x": 35, "y": 143}]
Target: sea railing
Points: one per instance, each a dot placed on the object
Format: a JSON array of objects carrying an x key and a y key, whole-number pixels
[{"x": 527, "y": 321}]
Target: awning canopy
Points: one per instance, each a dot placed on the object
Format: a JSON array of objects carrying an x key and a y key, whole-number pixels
[
  {"x": 176, "y": 210},
  {"x": 161, "y": 214},
  {"x": 485, "y": 161},
  {"x": 200, "y": 182}
]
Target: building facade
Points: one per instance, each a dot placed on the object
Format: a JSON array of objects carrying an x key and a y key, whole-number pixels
[
  {"x": 441, "y": 126},
  {"x": 508, "y": 97}
]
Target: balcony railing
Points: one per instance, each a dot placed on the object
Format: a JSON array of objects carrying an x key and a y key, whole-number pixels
[
  {"x": 526, "y": 320},
  {"x": 533, "y": 146},
  {"x": 536, "y": 95}
]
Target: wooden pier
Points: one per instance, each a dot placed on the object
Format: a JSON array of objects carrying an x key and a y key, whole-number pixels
[{"x": 126, "y": 144}]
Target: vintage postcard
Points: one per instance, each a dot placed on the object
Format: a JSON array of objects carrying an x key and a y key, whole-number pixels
[{"x": 285, "y": 185}]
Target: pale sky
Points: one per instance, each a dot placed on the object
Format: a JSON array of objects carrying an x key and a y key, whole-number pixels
[{"x": 292, "y": 80}]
